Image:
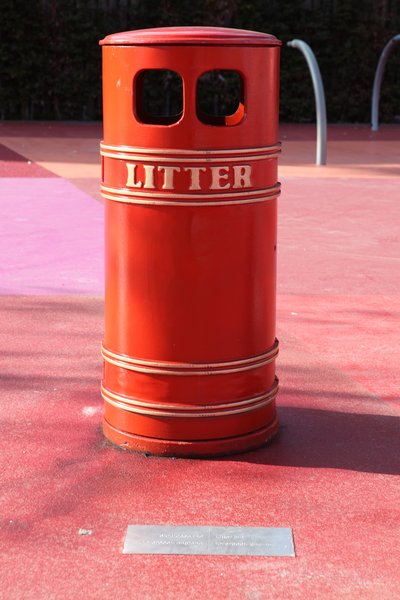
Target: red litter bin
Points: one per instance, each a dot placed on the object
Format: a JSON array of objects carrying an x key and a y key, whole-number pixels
[{"x": 189, "y": 180}]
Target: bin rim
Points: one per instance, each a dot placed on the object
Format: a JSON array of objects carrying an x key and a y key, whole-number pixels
[{"x": 190, "y": 36}]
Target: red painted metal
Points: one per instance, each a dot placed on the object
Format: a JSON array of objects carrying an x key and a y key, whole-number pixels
[{"x": 189, "y": 346}]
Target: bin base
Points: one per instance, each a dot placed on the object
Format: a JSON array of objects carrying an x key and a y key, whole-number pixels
[{"x": 191, "y": 449}]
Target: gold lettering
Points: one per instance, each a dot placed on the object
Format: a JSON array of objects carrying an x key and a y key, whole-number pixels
[
  {"x": 169, "y": 176},
  {"x": 222, "y": 177},
  {"x": 219, "y": 178},
  {"x": 241, "y": 176},
  {"x": 131, "y": 180},
  {"x": 149, "y": 177},
  {"x": 195, "y": 176}
]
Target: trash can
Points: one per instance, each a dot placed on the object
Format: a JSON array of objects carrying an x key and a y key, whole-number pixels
[{"x": 189, "y": 181}]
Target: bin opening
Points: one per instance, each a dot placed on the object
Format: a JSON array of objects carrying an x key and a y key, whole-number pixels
[
  {"x": 220, "y": 98},
  {"x": 158, "y": 96}
]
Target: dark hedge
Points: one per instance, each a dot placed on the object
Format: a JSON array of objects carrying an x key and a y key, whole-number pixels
[{"x": 50, "y": 61}]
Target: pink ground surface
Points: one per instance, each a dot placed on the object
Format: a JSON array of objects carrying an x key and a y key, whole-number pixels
[
  {"x": 332, "y": 475},
  {"x": 52, "y": 241}
]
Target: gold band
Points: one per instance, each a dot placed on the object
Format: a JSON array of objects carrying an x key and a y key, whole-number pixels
[
  {"x": 171, "y": 154},
  {"x": 173, "y": 410},
  {"x": 167, "y": 199},
  {"x": 158, "y": 159},
  {"x": 274, "y": 190},
  {"x": 127, "y": 200},
  {"x": 188, "y": 369}
]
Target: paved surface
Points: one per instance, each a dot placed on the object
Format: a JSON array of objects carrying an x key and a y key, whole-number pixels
[{"x": 332, "y": 475}]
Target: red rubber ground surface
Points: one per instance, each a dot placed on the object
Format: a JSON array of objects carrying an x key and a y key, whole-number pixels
[{"x": 332, "y": 474}]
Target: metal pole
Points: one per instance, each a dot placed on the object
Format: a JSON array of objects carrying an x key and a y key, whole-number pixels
[
  {"x": 319, "y": 98},
  {"x": 376, "y": 90}
]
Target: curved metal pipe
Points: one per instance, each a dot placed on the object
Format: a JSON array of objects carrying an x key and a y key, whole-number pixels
[
  {"x": 319, "y": 98},
  {"x": 376, "y": 90}
]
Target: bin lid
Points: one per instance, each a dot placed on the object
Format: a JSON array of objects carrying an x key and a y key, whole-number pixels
[{"x": 190, "y": 36}]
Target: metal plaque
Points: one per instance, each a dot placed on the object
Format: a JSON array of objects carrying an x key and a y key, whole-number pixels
[{"x": 232, "y": 541}]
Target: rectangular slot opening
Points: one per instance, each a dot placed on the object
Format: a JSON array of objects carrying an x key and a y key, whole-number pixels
[{"x": 158, "y": 96}]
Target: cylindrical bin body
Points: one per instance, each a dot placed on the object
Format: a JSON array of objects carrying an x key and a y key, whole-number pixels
[{"x": 190, "y": 199}]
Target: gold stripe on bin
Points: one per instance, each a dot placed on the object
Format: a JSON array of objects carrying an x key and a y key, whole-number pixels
[
  {"x": 268, "y": 191},
  {"x": 189, "y": 369},
  {"x": 183, "y": 155},
  {"x": 134, "y": 197},
  {"x": 184, "y": 411},
  {"x": 222, "y": 159},
  {"x": 127, "y": 200}
]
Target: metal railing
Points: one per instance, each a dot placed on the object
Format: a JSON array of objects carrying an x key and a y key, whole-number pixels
[
  {"x": 319, "y": 98},
  {"x": 376, "y": 90}
]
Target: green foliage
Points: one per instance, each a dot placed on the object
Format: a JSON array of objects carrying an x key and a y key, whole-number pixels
[{"x": 50, "y": 61}]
